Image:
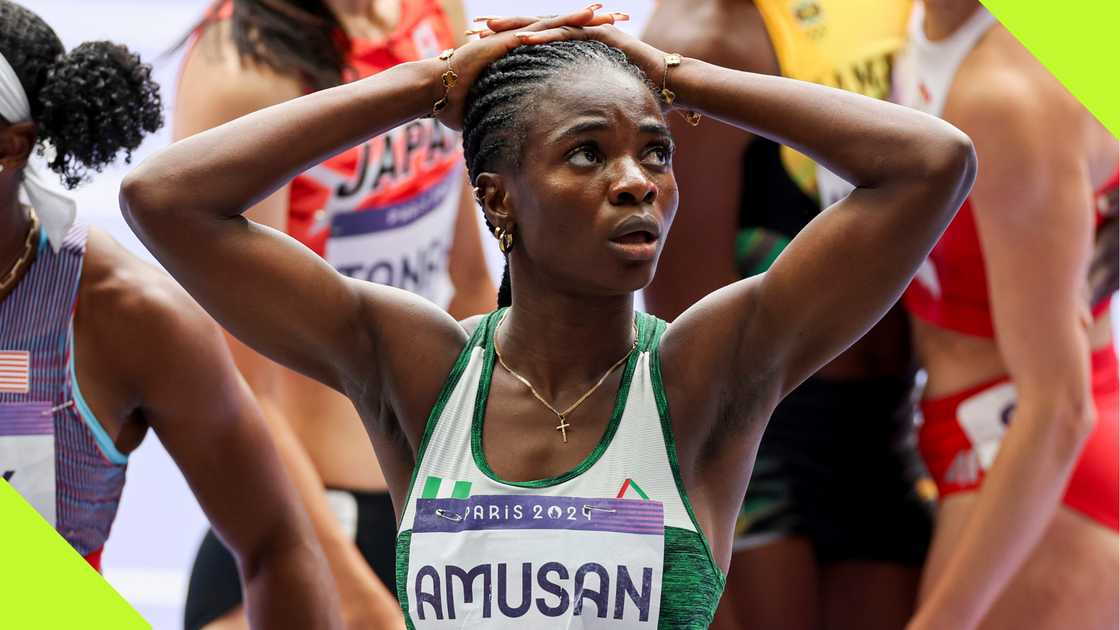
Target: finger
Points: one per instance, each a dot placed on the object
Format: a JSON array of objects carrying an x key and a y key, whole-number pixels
[
  {"x": 583, "y": 17},
  {"x": 576, "y": 18},
  {"x": 562, "y": 33},
  {"x": 608, "y": 18},
  {"x": 509, "y": 23}
]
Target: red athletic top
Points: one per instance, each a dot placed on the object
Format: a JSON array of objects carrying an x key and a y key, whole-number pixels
[
  {"x": 951, "y": 288},
  {"x": 385, "y": 211},
  {"x": 388, "y": 169}
]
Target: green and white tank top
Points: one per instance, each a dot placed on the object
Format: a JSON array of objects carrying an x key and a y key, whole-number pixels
[{"x": 612, "y": 543}]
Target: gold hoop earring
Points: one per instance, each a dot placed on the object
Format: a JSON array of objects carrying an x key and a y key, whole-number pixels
[{"x": 505, "y": 239}]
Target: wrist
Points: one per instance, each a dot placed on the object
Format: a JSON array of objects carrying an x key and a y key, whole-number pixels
[
  {"x": 669, "y": 96},
  {"x": 426, "y": 82},
  {"x": 682, "y": 81}
]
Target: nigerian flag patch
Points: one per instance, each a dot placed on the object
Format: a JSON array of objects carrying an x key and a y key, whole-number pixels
[{"x": 440, "y": 488}]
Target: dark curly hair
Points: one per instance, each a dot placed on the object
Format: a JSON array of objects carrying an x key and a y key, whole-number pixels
[
  {"x": 499, "y": 104},
  {"x": 90, "y": 104}
]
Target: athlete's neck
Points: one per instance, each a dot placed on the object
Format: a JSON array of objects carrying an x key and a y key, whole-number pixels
[
  {"x": 563, "y": 341},
  {"x": 14, "y": 223},
  {"x": 944, "y": 17}
]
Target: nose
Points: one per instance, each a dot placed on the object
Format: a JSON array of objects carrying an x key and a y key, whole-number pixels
[{"x": 631, "y": 185}]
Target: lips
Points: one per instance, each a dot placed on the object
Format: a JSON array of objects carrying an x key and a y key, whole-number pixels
[
  {"x": 636, "y": 238},
  {"x": 637, "y": 224}
]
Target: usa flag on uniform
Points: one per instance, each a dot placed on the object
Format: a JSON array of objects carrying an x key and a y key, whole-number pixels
[{"x": 15, "y": 371}]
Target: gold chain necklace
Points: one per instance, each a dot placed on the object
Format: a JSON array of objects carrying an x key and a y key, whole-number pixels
[
  {"x": 27, "y": 247},
  {"x": 561, "y": 415}
]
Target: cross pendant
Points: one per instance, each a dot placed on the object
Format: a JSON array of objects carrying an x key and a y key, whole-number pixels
[{"x": 563, "y": 429}]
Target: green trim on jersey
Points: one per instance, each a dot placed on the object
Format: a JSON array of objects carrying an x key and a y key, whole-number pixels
[
  {"x": 483, "y": 397},
  {"x": 404, "y": 538},
  {"x": 691, "y": 581},
  {"x": 694, "y": 588},
  {"x": 444, "y": 394},
  {"x": 404, "y": 544}
]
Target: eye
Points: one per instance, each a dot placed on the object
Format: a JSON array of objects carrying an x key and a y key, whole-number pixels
[
  {"x": 659, "y": 155},
  {"x": 584, "y": 155}
]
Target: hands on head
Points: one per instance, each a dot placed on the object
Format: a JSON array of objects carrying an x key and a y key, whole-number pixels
[{"x": 502, "y": 34}]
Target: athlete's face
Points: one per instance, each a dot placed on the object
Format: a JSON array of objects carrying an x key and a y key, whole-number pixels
[{"x": 594, "y": 194}]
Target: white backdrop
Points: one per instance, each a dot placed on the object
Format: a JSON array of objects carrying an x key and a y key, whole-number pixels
[{"x": 153, "y": 541}]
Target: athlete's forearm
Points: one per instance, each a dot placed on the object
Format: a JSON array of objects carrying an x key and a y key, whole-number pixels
[
  {"x": 870, "y": 143},
  {"x": 361, "y": 593},
  {"x": 283, "y": 588},
  {"x": 225, "y": 170},
  {"x": 1017, "y": 501}
]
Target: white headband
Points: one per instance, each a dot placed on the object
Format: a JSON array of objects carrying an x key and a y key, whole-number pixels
[{"x": 55, "y": 209}]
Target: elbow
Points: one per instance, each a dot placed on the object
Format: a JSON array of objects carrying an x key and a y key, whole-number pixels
[
  {"x": 951, "y": 163},
  {"x": 1077, "y": 421},
  {"x": 139, "y": 198},
  {"x": 1066, "y": 421}
]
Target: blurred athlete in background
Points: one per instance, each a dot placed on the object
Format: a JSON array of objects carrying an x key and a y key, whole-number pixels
[
  {"x": 1020, "y": 410},
  {"x": 833, "y": 530},
  {"x": 97, "y": 347},
  {"x": 394, "y": 210}
]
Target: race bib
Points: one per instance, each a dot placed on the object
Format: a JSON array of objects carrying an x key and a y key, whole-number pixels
[
  {"x": 518, "y": 561},
  {"x": 27, "y": 453},
  {"x": 404, "y": 245},
  {"x": 984, "y": 418}
]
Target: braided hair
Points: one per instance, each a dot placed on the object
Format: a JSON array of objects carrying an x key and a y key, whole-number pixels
[
  {"x": 89, "y": 104},
  {"x": 499, "y": 104}
]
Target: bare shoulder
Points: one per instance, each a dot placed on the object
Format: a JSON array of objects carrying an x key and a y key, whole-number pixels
[
  {"x": 1025, "y": 126},
  {"x": 136, "y": 312},
  {"x": 701, "y": 349},
  {"x": 1001, "y": 83},
  {"x": 218, "y": 84},
  {"x": 728, "y": 33}
]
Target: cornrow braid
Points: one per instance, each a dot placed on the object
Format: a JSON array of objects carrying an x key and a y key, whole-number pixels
[{"x": 500, "y": 100}]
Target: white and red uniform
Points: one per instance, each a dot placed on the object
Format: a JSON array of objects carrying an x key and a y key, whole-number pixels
[
  {"x": 961, "y": 433},
  {"x": 385, "y": 210}
]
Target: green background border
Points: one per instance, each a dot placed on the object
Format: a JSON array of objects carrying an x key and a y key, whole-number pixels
[{"x": 1078, "y": 42}]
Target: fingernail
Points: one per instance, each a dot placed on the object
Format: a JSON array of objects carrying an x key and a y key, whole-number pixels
[
  {"x": 523, "y": 34},
  {"x": 619, "y": 16},
  {"x": 474, "y": 31},
  {"x": 593, "y": 7},
  {"x": 485, "y": 18}
]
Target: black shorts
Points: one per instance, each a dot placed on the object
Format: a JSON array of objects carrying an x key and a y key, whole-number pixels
[
  {"x": 838, "y": 465},
  {"x": 215, "y": 585}
]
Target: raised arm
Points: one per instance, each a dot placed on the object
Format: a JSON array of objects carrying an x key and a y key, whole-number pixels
[
  {"x": 216, "y": 87},
  {"x": 1032, "y": 208},
  {"x": 267, "y": 289},
  {"x": 282, "y": 300},
  {"x": 851, "y": 263}
]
